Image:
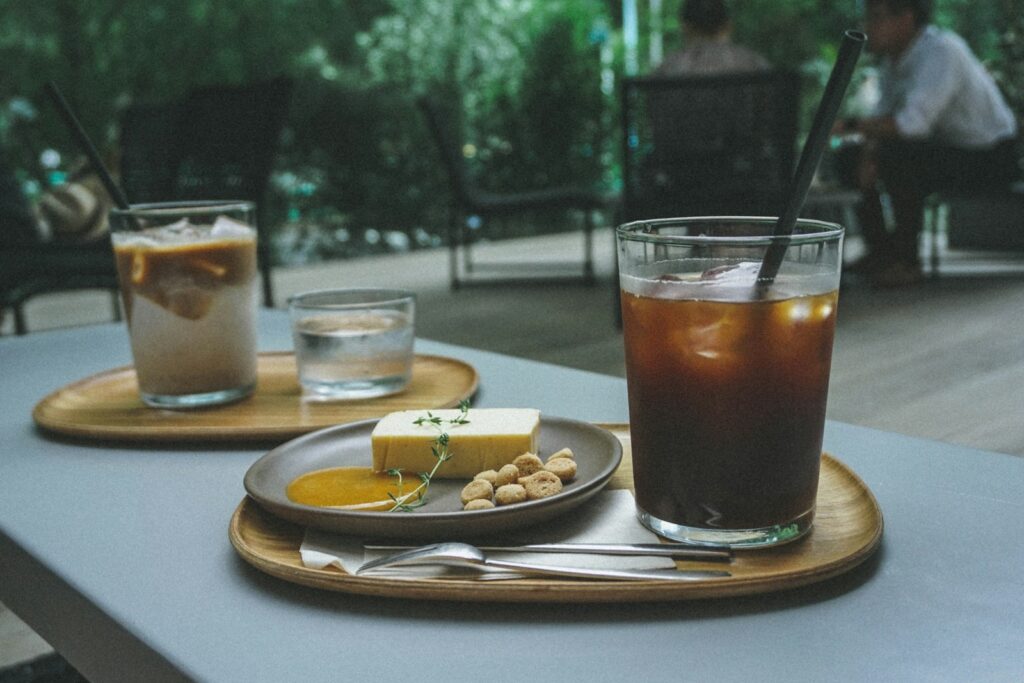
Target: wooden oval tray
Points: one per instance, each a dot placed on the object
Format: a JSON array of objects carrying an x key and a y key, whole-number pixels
[
  {"x": 107, "y": 405},
  {"x": 847, "y": 529}
]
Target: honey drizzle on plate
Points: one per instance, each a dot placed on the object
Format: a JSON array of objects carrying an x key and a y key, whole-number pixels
[{"x": 351, "y": 488}]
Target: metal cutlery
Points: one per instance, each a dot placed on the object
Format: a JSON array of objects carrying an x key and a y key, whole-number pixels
[
  {"x": 465, "y": 555},
  {"x": 679, "y": 551}
]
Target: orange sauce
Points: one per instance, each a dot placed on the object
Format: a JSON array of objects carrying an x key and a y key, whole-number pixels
[{"x": 354, "y": 488}]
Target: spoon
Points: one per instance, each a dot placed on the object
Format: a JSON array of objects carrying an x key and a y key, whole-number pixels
[{"x": 465, "y": 555}]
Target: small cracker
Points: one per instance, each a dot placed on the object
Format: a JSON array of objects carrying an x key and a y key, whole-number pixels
[
  {"x": 509, "y": 474},
  {"x": 477, "y": 489},
  {"x": 510, "y": 494},
  {"x": 478, "y": 504},
  {"x": 541, "y": 485},
  {"x": 564, "y": 453},
  {"x": 488, "y": 475},
  {"x": 528, "y": 463},
  {"x": 563, "y": 468}
]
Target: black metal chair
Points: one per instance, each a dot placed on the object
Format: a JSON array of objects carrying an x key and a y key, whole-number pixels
[
  {"x": 707, "y": 145},
  {"x": 218, "y": 142},
  {"x": 468, "y": 200},
  {"x": 984, "y": 227}
]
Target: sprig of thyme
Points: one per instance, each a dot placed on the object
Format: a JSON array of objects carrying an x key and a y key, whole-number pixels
[{"x": 403, "y": 502}]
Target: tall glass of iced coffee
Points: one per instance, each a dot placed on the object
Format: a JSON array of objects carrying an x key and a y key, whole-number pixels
[
  {"x": 727, "y": 374},
  {"x": 188, "y": 283}
]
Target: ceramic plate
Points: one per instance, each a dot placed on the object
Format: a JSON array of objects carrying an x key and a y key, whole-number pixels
[{"x": 597, "y": 452}]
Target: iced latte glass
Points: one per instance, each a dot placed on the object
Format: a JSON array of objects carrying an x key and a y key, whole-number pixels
[
  {"x": 188, "y": 283},
  {"x": 727, "y": 376}
]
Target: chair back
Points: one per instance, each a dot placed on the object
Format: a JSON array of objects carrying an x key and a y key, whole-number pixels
[
  {"x": 151, "y": 150},
  {"x": 442, "y": 125},
  {"x": 706, "y": 145},
  {"x": 233, "y": 135},
  {"x": 219, "y": 142}
]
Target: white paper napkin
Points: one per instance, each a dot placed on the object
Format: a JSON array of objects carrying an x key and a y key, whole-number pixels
[{"x": 609, "y": 517}]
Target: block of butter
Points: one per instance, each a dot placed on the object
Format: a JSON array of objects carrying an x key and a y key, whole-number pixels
[{"x": 493, "y": 437}]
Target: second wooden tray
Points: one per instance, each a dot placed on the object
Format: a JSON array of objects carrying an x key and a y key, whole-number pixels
[
  {"x": 847, "y": 530},
  {"x": 107, "y": 405}
]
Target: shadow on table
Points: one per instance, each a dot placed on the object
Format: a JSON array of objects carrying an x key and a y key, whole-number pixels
[
  {"x": 184, "y": 446},
  {"x": 51, "y": 668}
]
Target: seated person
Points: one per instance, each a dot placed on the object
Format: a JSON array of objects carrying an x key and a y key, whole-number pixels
[
  {"x": 73, "y": 212},
  {"x": 941, "y": 125},
  {"x": 708, "y": 48},
  {"x": 707, "y": 153},
  {"x": 69, "y": 214}
]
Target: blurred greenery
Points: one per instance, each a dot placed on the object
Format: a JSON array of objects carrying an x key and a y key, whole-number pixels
[{"x": 533, "y": 80}]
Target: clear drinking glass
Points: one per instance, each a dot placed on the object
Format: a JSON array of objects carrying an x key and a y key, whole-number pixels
[
  {"x": 353, "y": 343},
  {"x": 727, "y": 377},
  {"x": 188, "y": 283}
]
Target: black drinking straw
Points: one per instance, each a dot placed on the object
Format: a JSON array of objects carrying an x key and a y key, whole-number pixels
[
  {"x": 824, "y": 118},
  {"x": 85, "y": 144}
]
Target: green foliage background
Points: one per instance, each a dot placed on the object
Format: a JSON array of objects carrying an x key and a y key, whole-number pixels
[{"x": 532, "y": 79}]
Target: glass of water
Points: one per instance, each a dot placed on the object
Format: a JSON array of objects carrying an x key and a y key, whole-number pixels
[{"x": 353, "y": 343}]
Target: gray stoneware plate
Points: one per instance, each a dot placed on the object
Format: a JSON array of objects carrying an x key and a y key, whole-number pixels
[{"x": 597, "y": 452}]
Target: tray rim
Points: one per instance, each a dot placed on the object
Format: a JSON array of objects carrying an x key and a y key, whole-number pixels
[
  {"x": 217, "y": 433},
  {"x": 557, "y": 590}
]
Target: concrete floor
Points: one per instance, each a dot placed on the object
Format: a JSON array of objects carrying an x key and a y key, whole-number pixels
[{"x": 942, "y": 360}]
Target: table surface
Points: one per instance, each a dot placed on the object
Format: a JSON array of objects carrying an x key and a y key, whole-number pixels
[{"x": 118, "y": 555}]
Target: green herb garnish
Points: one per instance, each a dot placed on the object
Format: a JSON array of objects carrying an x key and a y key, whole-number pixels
[{"x": 407, "y": 502}]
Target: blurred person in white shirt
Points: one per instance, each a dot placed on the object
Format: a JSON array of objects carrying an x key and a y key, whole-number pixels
[
  {"x": 708, "y": 48},
  {"x": 941, "y": 124}
]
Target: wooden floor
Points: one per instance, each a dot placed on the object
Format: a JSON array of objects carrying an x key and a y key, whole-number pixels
[{"x": 942, "y": 360}]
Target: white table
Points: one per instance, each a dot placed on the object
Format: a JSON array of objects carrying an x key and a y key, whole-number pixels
[{"x": 118, "y": 555}]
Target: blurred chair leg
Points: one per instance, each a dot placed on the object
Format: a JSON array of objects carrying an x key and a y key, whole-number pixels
[
  {"x": 19, "y": 318},
  {"x": 932, "y": 211},
  {"x": 268, "y": 290},
  {"x": 618, "y": 218},
  {"x": 268, "y": 286},
  {"x": 453, "y": 248},
  {"x": 588, "y": 246},
  {"x": 115, "y": 303},
  {"x": 465, "y": 240},
  {"x": 263, "y": 257},
  {"x": 616, "y": 293}
]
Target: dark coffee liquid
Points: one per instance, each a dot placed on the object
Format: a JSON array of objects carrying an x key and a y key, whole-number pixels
[{"x": 726, "y": 406}]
